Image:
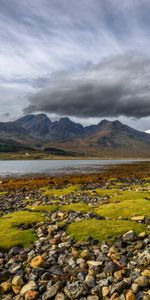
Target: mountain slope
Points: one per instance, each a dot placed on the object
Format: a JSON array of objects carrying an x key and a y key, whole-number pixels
[
  {"x": 106, "y": 139},
  {"x": 36, "y": 125},
  {"x": 111, "y": 139},
  {"x": 41, "y": 127}
]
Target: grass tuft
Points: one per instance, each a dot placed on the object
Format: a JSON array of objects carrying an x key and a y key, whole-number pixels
[
  {"x": 46, "y": 208},
  {"x": 102, "y": 229},
  {"x": 11, "y": 235},
  {"x": 60, "y": 192}
]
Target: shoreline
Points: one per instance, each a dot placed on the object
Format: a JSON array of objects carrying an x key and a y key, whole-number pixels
[{"x": 70, "y": 169}]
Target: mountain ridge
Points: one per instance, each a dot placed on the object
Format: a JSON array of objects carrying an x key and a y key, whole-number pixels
[{"x": 107, "y": 137}]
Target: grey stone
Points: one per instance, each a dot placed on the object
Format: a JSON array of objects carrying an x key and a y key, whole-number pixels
[
  {"x": 90, "y": 281},
  {"x": 111, "y": 267},
  {"x": 129, "y": 236},
  {"x": 73, "y": 290},
  {"x": 4, "y": 276},
  {"x": 52, "y": 291}
]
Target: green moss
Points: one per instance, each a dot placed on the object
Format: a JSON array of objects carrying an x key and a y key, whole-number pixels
[
  {"x": 125, "y": 209},
  {"x": 131, "y": 195},
  {"x": 60, "y": 192},
  {"x": 107, "y": 192},
  {"x": 84, "y": 208},
  {"x": 102, "y": 229},
  {"x": 119, "y": 195},
  {"x": 3, "y": 193},
  {"x": 50, "y": 208},
  {"x": 11, "y": 235},
  {"x": 40, "y": 208}
]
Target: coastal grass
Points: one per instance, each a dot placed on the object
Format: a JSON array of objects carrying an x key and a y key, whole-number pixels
[
  {"x": 3, "y": 193},
  {"x": 82, "y": 207},
  {"x": 117, "y": 195},
  {"x": 48, "y": 191},
  {"x": 102, "y": 229},
  {"x": 11, "y": 235},
  {"x": 76, "y": 207},
  {"x": 43, "y": 208},
  {"x": 125, "y": 209}
]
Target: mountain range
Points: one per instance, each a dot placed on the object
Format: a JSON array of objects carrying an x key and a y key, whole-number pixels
[{"x": 65, "y": 137}]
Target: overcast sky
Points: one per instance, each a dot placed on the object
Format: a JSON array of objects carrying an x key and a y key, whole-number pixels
[{"x": 87, "y": 59}]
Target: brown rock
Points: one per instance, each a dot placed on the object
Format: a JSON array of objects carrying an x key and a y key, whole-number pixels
[
  {"x": 130, "y": 295},
  {"x": 31, "y": 285},
  {"x": 146, "y": 272},
  {"x": 17, "y": 280},
  {"x": 115, "y": 256},
  {"x": 74, "y": 252},
  {"x": 83, "y": 265},
  {"x": 85, "y": 253},
  {"x": 6, "y": 286},
  {"x": 31, "y": 295},
  {"x": 37, "y": 262},
  {"x": 60, "y": 296},
  {"x": 118, "y": 274},
  {"x": 112, "y": 250},
  {"x": 16, "y": 289},
  {"x": 142, "y": 281},
  {"x": 105, "y": 291},
  {"x": 114, "y": 296},
  {"x": 54, "y": 241}
]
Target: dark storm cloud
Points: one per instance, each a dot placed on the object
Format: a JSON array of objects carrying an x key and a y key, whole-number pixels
[
  {"x": 119, "y": 86},
  {"x": 59, "y": 46}
]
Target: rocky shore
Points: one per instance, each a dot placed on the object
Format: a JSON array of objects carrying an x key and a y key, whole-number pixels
[{"x": 58, "y": 267}]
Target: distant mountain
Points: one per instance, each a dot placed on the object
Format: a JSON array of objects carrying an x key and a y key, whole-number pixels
[
  {"x": 111, "y": 139},
  {"x": 41, "y": 126},
  {"x": 35, "y": 125},
  {"x": 106, "y": 139}
]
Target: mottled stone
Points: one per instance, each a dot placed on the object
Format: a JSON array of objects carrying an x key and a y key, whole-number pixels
[
  {"x": 28, "y": 287},
  {"x": 146, "y": 272},
  {"x": 17, "y": 280},
  {"x": 6, "y": 286},
  {"x": 142, "y": 281},
  {"x": 52, "y": 291},
  {"x": 31, "y": 295},
  {"x": 129, "y": 236},
  {"x": 60, "y": 296},
  {"x": 90, "y": 281},
  {"x": 37, "y": 262},
  {"x": 105, "y": 291}
]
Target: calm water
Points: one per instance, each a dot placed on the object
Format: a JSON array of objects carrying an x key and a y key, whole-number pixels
[{"x": 24, "y": 167}]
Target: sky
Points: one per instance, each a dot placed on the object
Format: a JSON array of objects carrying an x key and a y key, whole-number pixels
[{"x": 87, "y": 60}]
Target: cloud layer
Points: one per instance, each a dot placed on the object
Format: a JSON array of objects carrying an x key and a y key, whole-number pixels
[
  {"x": 118, "y": 86},
  {"x": 72, "y": 57}
]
